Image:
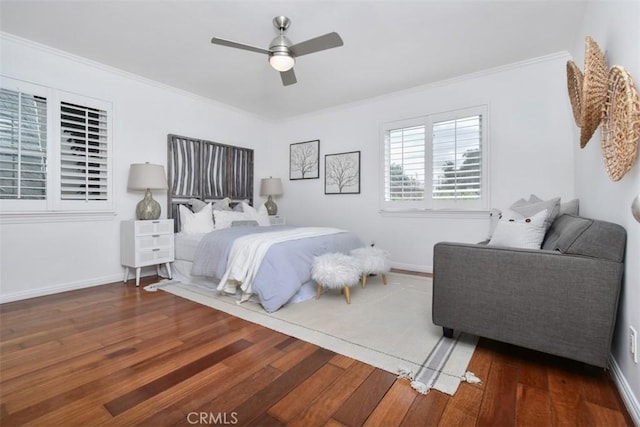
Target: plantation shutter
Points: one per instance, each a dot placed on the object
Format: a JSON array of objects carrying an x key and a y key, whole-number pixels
[
  {"x": 84, "y": 153},
  {"x": 404, "y": 164},
  {"x": 457, "y": 159},
  {"x": 23, "y": 146}
]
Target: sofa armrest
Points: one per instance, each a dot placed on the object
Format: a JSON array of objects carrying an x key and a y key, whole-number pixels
[{"x": 552, "y": 302}]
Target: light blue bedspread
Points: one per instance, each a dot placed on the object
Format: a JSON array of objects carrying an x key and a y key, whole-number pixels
[{"x": 285, "y": 268}]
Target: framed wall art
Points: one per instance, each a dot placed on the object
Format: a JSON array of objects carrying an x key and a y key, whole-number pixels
[
  {"x": 342, "y": 173},
  {"x": 304, "y": 160}
]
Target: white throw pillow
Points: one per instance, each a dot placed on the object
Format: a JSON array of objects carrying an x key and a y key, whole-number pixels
[
  {"x": 494, "y": 217},
  {"x": 514, "y": 230},
  {"x": 535, "y": 205},
  {"x": 196, "y": 222},
  {"x": 261, "y": 214}
]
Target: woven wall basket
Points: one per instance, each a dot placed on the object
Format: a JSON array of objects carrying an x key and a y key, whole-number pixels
[
  {"x": 620, "y": 123},
  {"x": 574, "y": 85},
  {"x": 594, "y": 90}
]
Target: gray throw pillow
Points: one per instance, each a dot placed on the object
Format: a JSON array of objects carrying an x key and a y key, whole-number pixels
[
  {"x": 531, "y": 207},
  {"x": 572, "y": 207},
  {"x": 238, "y": 206},
  {"x": 196, "y": 205},
  {"x": 222, "y": 205}
]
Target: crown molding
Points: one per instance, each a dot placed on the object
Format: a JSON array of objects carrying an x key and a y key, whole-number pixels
[{"x": 121, "y": 73}]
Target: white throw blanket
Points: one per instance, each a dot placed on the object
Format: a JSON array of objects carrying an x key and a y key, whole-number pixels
[{"x": 247, "y": 253}]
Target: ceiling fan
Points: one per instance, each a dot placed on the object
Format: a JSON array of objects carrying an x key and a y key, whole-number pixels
[{"x": 282, "y": 54}]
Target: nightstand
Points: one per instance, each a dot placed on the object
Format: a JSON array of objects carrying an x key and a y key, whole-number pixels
[
  {"x": 144, "y": 243},
  {"x": 277, "y": 220}
]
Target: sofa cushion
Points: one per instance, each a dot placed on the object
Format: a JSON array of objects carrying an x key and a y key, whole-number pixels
[{"x": 576, "y": 235}]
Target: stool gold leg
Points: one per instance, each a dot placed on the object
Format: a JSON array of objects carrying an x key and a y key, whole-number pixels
[
  {"x": 318, "y": 291},
  {"x": 364, "y": 280},
  {"x": 384, "y": 278},
  {"x": 347, "y": 294}
]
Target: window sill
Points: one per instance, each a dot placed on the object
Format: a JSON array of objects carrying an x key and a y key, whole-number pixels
[
  {"x": 40, "y": 217},
  {"x": 435, "y": 213}
]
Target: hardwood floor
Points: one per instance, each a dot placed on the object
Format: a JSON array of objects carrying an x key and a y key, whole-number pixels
[{"x": 118, "y": 355}]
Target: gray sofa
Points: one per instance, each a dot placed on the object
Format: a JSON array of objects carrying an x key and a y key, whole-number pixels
[{"x": 561, "y": 299}]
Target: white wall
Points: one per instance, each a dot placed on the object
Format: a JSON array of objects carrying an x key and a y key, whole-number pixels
[
  {"x": 615, "y": 26},
  {"x": 531, "y": 151},
  {"x": 46, "y": 257}
]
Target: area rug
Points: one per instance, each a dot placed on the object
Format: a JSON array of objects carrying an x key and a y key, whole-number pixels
[{"x": 388, "y": 327}]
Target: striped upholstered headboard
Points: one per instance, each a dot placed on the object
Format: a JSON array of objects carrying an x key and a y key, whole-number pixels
[{"x": 206, "y": 170}]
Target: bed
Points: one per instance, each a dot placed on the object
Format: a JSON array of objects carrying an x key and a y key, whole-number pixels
[{"x": 248, "y": 257}]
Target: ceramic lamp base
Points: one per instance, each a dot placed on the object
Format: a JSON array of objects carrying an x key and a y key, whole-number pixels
[
  {"x": 635, "y": 208},
  {"x": 148, "y": 208},
  {"x": 271, "y": 206}
]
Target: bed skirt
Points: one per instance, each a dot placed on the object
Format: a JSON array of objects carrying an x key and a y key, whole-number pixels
[{"x": 181, "y": 270}]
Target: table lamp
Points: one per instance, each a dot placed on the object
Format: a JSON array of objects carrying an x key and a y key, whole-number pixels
[
  {"x": 145, "y": 176},
  {"x": 271, "y": 187}
]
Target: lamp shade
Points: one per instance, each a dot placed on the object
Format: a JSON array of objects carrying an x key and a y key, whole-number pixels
[
  {"x": 144, "y": 176},
  {"x": 281, "y": 61},
  {"x": 270, "y": 187}
]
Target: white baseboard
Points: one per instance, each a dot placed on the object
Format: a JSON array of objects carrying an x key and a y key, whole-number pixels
[
  {"x": 630, "y": 400},
  {"x": 72, "y": 286},
  {"x": 412, "y": 267}
]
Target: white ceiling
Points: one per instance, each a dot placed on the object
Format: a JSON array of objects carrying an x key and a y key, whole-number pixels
[{"x": 388, "y": 45}]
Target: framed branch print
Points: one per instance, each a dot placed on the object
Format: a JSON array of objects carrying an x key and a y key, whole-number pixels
[
  {"x": 342, "y": 173},
  {"x": 304, "y": 160}
]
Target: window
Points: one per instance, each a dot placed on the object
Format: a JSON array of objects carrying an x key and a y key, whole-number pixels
[
  {"x": 23, "y": 145},
  {"x": 436, "y": 162},
  {"x": 83, "y": 153},
  {"x": 55, "y": 150}
]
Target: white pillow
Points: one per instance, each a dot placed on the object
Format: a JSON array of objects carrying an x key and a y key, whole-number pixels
[
  {"x": 494, "y": 217},
  {"x": 224, "y": 219},
  {"x": 535, "y": 205},
  {"x": 516, "y": 231},
  {"x": 261, "y": 214},
  {"x": 196, "y": 222}
]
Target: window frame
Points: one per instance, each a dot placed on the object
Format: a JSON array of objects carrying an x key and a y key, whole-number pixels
[
  {"x": 428, "y": 205},
  {"x": 19, "y": 210}
]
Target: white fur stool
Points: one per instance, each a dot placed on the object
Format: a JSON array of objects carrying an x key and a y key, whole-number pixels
[
  {"x": 372, "y": 261},
  {"x": 335, "y": 271}
]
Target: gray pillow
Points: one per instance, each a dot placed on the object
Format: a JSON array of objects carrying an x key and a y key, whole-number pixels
[
  {"x": 222, "y": 205},
  {"x": 238, "y": 206},
  {"x": 532, "y": 207},
  {"x": 572, "y": 207},
  {"x": 196, "y": 205}
]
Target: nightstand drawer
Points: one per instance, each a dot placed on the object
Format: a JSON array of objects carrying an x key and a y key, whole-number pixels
[
  {"x": 154, "y": 256},
  {"x": 277, "y": 220},
  {"x": 154, "y": 241},
  {"x": 154, "y": 227}
]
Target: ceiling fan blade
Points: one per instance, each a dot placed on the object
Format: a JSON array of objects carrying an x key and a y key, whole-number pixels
[
  {"x": 230, "y": 43},
  {"x": 316, "y": 44},
  {"x": 288, "y": 77}
]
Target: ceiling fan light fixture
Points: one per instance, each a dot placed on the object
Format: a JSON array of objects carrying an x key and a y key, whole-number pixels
[
  {"x": 281, "y": 61},
  {"x": 282, "y": 53}
]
